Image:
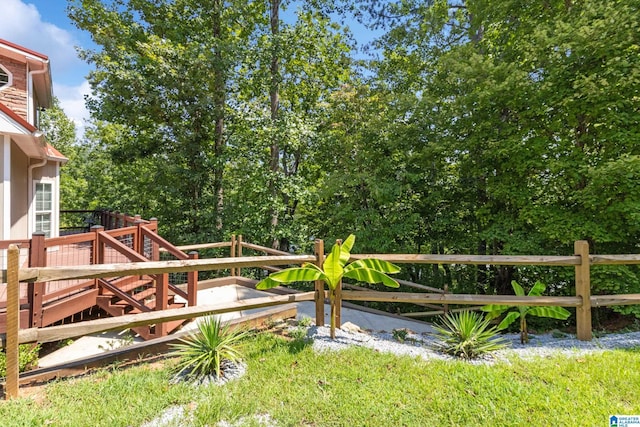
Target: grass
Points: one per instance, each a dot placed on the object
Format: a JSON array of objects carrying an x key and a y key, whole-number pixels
[{"x": 357, "y": 386}]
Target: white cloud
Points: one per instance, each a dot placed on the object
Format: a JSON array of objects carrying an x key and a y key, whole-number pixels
[
  {"x": 72, "y": 102},
  {"x": 22, "y": 23}
]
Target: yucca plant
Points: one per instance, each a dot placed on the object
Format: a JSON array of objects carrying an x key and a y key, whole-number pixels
[
  {"x": 333, "y": 269},
  {"x": 467, "y": 335},
  {"x": 202, "y": 353},
  {"x": 495, "y": 310}
]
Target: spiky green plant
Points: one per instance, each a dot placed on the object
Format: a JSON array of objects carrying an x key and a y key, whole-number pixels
[
  {"x": 467, "y": 335},
  {"x": 202, "y": 352},
  {"x": 495, "y": 310}
]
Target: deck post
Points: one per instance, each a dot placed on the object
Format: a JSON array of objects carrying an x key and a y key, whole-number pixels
[
  {"x": 583, "y": 290},
  {"x": 35, "y": 291},
  {"x": 138, "y": 240},
  {"x": 192, "y": 284},
  {"x": 97, "y": 249},
  {"x": 162, "y": 297},
  {"x": 319, "y": 284},
  {"x": 104, "y": 217},
  {"x": 155, "y": 248},
  {"x": 13, "y": 322}
]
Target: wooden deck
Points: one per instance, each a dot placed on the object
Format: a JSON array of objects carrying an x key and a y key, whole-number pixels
[{"x": 43, "y": 304}]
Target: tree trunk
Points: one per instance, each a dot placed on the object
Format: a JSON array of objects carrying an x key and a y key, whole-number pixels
[
  {"x": 274, "y": 98},
  {"x": 219, "y": 106}
]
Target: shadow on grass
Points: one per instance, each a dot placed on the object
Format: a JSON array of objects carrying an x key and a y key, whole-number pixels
[{"x": 270, "y": 343}]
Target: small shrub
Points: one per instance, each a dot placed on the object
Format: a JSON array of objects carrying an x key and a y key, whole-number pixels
[
  {"x": 27, "y": 358},
  {"x": 495, "y": 310},
  {"x": 305, "y": 321},
  {"x": 400, "y": 335},
  {"x": 298, "y": 333},
  {"x": 467, "y": 335},
  {"x": 202, "y": 353}
]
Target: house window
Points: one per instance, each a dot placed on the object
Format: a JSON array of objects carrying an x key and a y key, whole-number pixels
[
  {"x": 44, "y": 208},
  {"x": 5, "y": 78}
]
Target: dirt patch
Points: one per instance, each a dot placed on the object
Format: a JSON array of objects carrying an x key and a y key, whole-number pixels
[
  {"x": 37, "y": 390},
  {"x": 611, "y": 321}
]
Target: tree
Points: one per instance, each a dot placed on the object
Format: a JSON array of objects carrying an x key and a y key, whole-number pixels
[
  {"x": 186, "y": 84},
  {"x": 60, "y": 131},
  {"x": 276, "y": 125},
  {"x": 525, "y": 110},
  {"x": 162, "y": 73}
]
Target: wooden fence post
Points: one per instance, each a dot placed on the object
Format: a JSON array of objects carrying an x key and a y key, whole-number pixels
[
  {"x": 192, "y": 283},
  {"x": 232, "y": 253},
  {"x": 13, "y": 321},
  {"x": 239, "y": 249},
  {"x": 35, "y": 291},
  {"x": 583, "y": 290},
  {"x": 445, "y": 307},
  {"x": 319, "y": 284}
]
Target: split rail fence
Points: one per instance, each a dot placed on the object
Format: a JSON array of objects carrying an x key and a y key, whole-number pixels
[{"x": 581, "y": 261}]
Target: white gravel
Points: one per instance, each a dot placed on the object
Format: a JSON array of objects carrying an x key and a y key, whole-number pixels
[{"x": 422, "y": 345}]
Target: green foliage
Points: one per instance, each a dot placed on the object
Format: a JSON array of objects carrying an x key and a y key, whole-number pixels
[
  {"x": 305, "y": 322},
  {"x": 187, "y": 85},
  {"x": 334, "y": 268},
  {"x": 467, "y": 335},
  {"x": 27, "y": 358},
  {"x": 202, "y": 353},
  {"x": 495, "y": 310},
  {"x": 512, "y": 128},
  {"x": 300, "y": 331},
  {"x": 400, "y": 334},
  {"x": 472, "y": 131}
]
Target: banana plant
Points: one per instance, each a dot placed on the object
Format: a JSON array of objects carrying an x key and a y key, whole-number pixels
[
  {"x": 495, "y": 310},
  {"x": 334, "y": 268}
]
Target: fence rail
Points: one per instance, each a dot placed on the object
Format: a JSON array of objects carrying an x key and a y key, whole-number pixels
[{"x": 582, "y": 301}]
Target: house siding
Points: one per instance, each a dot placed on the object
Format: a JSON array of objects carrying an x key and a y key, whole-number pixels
[
  {"x": 15, "y": 96},
  {"x": 19, "y": 193}
]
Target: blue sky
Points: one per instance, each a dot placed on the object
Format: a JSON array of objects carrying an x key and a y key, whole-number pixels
[{"x": 43, "y": 26}]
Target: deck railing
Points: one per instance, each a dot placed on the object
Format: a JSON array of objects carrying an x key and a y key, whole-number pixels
[{"x": 124, "y": 239}]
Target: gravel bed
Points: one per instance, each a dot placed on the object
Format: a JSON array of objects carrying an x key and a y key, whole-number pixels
[
  {"x": 230, "y": 371},
  {"x": 422, "y": 345}
]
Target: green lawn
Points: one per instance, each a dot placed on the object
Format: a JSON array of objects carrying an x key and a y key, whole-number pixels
[{"x": 356, "y": 387}]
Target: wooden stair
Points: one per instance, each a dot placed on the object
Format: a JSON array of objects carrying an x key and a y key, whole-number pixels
[{"x": 133, "y": 295}]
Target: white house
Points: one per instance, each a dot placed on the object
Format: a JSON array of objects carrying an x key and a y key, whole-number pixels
[{"x": 29, "y": 166}]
